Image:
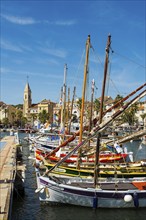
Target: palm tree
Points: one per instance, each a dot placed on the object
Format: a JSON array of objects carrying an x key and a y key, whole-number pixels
[
  {"x": 97, "y": 105},
  {"x": 118, "y": 98},
  {"x": 43, "y": 116},
  {"x": 129, "y": 115},
  {"x": 79, "y": 103},
  {"x": 143, "y": 116},
  {"x": 33, "y": 117}
]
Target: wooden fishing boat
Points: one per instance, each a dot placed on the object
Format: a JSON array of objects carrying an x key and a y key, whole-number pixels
[
  {"x": 105, "y": 157},
  {"x": 106, "y": 170},
  {"x": 127, "y": 193}
]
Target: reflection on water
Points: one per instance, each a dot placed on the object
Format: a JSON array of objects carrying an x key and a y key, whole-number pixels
[{"x": 29, "y": 207}]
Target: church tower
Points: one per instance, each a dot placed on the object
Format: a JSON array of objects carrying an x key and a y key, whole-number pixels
[{"x": 27, "y": 101}]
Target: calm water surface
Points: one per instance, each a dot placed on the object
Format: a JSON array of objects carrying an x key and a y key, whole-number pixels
[
  {"x": 29, "y": 207},
  {"x": 2, "y": 144}
]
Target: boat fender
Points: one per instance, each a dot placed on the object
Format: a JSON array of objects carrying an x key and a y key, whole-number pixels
[
  {"x": 95, "y": 202},
  {"x": 128, "y": 198},
  {"x": 39, "y": 190},
  {"x": 42, "y": 190},
  {"x": 135, "y": 199},
  {"x": 47, "y": 192}
]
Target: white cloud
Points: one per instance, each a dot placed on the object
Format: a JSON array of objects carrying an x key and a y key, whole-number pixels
[
  {"x": 26, "y": 48},
  {"x": 65, "y": 23},
  {"x": 8, "y": 46},
  {"x": 61, "y": 23},
  {"x": 19, "y": 72},
  {"x": 30, "y": 21},
  {"x": 19, "y": 20},
  {"x": 4, "y": 70},
  {"x": 49, "y": 61},
  {"x": 55, "y": 52}
]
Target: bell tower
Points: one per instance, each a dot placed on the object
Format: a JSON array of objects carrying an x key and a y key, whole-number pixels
[{"x": 27, "y": 101}]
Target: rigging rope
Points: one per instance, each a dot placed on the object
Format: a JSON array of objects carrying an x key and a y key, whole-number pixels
[
  {"x": 76, "y": 78},
  {"x": 130, "y": 60}
]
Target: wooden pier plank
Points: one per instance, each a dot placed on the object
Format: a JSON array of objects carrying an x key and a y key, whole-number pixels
[{"x": 7, "y": 174}]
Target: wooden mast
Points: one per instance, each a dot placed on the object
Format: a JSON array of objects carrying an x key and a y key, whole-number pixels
[
  {"x": 83, "y": 94},
  {"x": 84, "y": 86},
  {"x": 101, "y": 111}
]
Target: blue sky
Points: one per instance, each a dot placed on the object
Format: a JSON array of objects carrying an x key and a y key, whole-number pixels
[{"x": 39, "y": 37}]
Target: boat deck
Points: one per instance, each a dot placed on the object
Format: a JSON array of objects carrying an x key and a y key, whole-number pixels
[{"x": 106, "y": 186}]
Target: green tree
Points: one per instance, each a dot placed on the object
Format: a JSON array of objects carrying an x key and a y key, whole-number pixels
[
  {"x": 143, "y": 116},
  {"x": 33, "y": 117},
  {"x": 59, "y": 116},
  {"x": 19, "y": 117},
  {"x": 13, "y": 117},
  {"x": 43, "y": 116},
  {"x": 96, "y": 105},
  {"x": 19, "y": 114},
  {"x": 129, "y": 115},
  {"x": 19, "y": 106},
  {"x": 118, "y": 98},
  {"x": 23, "y": 121},
  {"x": 74, "y": 118},
  {"x": 79, "y": 103},
  {"x": 5, "y": 121}
]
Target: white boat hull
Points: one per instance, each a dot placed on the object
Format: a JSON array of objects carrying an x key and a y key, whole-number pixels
[{"x": 50, "y": 191}]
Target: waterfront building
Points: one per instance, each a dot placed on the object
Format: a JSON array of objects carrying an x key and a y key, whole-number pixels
[
  {"x": 8, "y": 113},
  {"x": 34, "y": 109},
  {"x": 141, "y": 113},
  {"x": 48, "y": 106},
  {"x": 31, "y": 111}
]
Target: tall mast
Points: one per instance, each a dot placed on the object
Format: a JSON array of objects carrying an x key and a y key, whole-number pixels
[
  {"x": 83, "y": 94},
  {"x": 68, "y": 107},
  {"x": 91, "y": 109},
  {"x": 101, "y": 110},
  {"x": 62, "y": 124},
  {"x": 71, "y": 109},
  {"x": 84, "y": 86}
]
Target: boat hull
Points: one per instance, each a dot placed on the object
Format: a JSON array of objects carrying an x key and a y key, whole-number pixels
[
  {"x": 90, "y": 197},
  {"x": 84, "y": 173}
]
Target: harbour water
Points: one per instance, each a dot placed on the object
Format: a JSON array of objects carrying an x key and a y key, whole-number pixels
[
  {"x": 29, "y": 207},
  {"x": 2, "y": 144}
]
